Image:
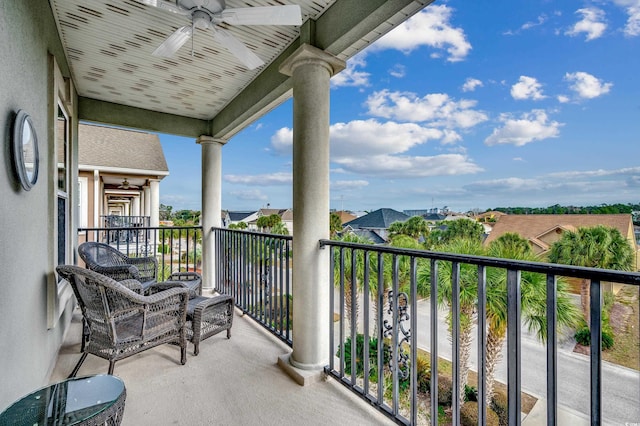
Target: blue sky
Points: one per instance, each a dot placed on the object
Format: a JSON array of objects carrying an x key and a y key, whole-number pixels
[{"x": 528, "y": 103}]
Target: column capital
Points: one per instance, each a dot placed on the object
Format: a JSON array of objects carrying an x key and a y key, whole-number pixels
[
  {"x": 307, "y": 54},
  {"x": 204, "y": 139}
]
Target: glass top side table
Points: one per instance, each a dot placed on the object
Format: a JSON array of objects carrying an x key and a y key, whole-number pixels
[{"x": 88, "y": 400}]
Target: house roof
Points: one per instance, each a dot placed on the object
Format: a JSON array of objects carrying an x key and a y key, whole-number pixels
[
  {"x": 378, "y": 219},
  {"x": 532, "y": 226},
  {"x": 109, "y": 147},
  {"x": 345, "y": 216},
  {"x": 368, "y": 234},
  {"x": 239, "y": 216}
]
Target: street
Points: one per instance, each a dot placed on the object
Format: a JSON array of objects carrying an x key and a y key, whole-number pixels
[{"x": 620, "y": 385}]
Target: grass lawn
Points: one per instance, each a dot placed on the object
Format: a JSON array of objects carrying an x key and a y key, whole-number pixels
[{"x": 625, "y": 320}]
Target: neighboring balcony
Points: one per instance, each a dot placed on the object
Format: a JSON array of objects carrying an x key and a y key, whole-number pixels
[{"x": 384, "y": 304}]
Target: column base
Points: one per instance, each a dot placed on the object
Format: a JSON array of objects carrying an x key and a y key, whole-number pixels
[{"x": 300, "y": 376}]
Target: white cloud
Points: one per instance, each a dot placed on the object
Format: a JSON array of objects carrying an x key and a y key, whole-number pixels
[
  {"x": 250, "y": 194},
  {"x": 626, "y": 171},
  {"x": 408, "y": 166},
  {"x": 471, "y": 84},
  {"x": 527, "y": 88},
  {"x": 429, "y": 27},
  {"x": 586, "y": 86},
  {"x": 345, "y": 185},
  {"x": 352, "y": 76},
  {"x": 372, "y": 148},
  {"x": 398, "y": 71},
  {"x": 369, "y": 137},
  {"x": 438, "y": 109},
  {"x": 563, "y": 99},
  {"x": 632, "y": 8},
  {"x": 592, "y": 23},
  {"x": 530, "y": 127},
  {"x": 528, "y": 25},
  {"x": 261, "y": 180}
]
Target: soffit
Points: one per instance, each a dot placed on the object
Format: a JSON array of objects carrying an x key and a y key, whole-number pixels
[{"x": 108, "y": 45}]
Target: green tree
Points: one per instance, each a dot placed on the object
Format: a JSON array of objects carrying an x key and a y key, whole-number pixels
[
  {"x": 468, "y": 279},
  {"x": 533, "y": 302},
  {"x": 463, "y": 228},
  {"x": 239, "y": 225},
  {"x": 280, "y": 228},
  {"x": 335, "y": 224},
  {"x": 597, "y": 247},
  {"x": 351, "y": 300},
  {"x": 265, "y": 223}
]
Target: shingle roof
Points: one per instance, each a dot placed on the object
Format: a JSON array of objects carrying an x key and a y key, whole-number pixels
[
  {"x": 113, "y": 147},
  {"x": 533, "y": 225},
  {"x": 378, "y": 219},
  {"x": 239, "y": 216}
]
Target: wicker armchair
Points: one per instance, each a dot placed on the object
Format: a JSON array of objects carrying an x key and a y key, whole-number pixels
[
  {"x": 106, "y": 260},
  {"x": 121, "y": 322}
]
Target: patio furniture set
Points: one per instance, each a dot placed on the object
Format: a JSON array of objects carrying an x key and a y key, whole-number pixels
[{"x": 126, "y": 310}]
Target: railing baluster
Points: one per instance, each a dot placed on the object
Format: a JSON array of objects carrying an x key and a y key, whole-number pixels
[
  {"x": 552, "y": 350},
  {"x": 482, "y": 344},
  {"x": 434, "y": 342},
  {"x": 513, "y": 346},
  {"x": 365, "y": 302},
  {"x": 595, "y": 317},
  {"x": 332, "y": 331},
  {"x": 353, "y": 320},
  {"x": 414, "y": 342},
  {"x": 455, "y": 331},
  {"x": 341, "y": 331},
  {"x": 394, "y": 336},
  {"x": 380, "y": 310}
]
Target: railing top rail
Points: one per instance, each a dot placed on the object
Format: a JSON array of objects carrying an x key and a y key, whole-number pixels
[
  {"x": 260, "y": 234},
  {"x": 621, "y": 277},
  {"x": 140, "y": 228}
]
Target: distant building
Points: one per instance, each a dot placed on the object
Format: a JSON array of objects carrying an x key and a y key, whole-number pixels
[
  {"x": 542, "y": 230},
  {"x": 377, "y": 221}
]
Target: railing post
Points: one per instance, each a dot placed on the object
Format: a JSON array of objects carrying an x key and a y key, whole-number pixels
[
  {"x": 596, "y": 352},
  {"x": 513, "y": 346}
]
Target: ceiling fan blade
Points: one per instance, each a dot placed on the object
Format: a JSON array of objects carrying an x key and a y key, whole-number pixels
[
  {"x": 266, "y": 15},
  {"x": 237, "y": 48},
  {"x": 174, "y": 42},
  {"x": 165, "y": 5}
]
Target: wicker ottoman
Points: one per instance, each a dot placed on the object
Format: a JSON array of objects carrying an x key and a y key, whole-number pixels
[{"x": 207, "y": 316}]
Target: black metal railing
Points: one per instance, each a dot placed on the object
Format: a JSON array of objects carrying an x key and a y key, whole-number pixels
[
  {"x": 177, "y": 248},
  {"x": 375, "y": 356},
  {"x": 124, "y": 228},
  {"x": 255, "y": 268}
]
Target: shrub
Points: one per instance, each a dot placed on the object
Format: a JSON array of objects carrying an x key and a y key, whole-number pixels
[
  {"x": 583, "y": 336},
  {"x": 373, "y": 355},
  {"x": 469, "y": 415},
  {"x": 470, "y": 393},
  {"x": 424, "y": 373},
  {"x": 164, "y": 248},
  {"x": 500, "y": 405},
  {"x": 445, "y": 390}
]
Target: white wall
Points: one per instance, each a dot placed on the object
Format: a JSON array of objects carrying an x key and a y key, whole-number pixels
[{"x": 29, "y": 347}]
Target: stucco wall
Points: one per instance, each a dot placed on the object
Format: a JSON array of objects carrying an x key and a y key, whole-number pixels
[{"x": 28, "y": 347}]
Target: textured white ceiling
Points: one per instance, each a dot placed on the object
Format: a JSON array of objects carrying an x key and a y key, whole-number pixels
[{"x": 109, "y": 44}]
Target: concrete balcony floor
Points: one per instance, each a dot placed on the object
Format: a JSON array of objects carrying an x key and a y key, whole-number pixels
[{"x": 231, "y": 382}]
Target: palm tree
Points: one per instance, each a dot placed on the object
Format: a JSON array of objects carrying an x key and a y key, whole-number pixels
[
  {"x": 335, "y": 224},
  {"x": 533, "y": 302},
  {"x": 597, "y": 247},
  {"x": 463, "y": 228},
  {"x": 468, "y": 279},
  {"x": 351, "y": 300}
]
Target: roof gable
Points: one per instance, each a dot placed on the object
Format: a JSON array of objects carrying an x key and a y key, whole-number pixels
[
  {"x": 102, "y": 146},
  {"x": 378, "y": 219}
]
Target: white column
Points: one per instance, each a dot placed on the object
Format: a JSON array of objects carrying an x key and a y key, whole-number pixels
[
  {"x": 135, "y": 206},
  {"x": 154, "y": 202},
  {"x": 147, "y": 200},
  {"x": 310, "y": 69},
  {"x": 211, "y": 204},
  {"x": 97, "y": 205}
]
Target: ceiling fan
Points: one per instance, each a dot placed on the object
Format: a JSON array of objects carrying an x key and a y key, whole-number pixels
[
  {"x": 208, "y": 14},
  {"x": 126, "y": 185}
]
